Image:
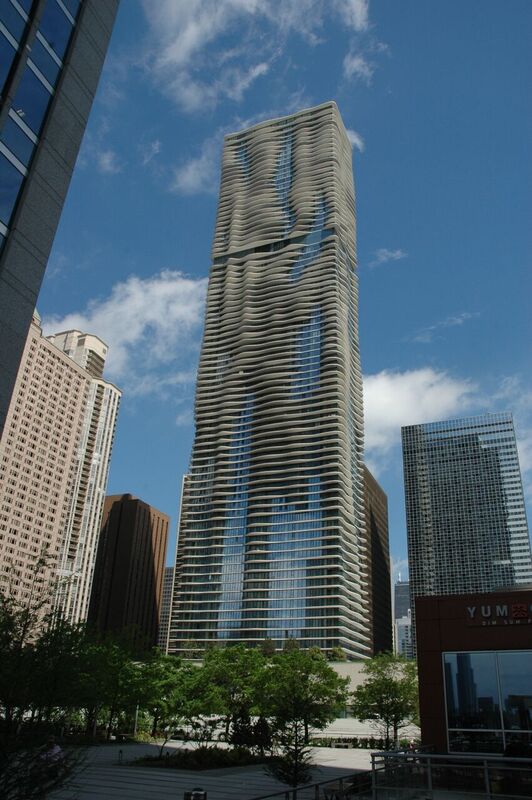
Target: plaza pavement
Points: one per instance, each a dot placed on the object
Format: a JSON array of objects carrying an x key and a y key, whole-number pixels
[{"x": 102, "y": 777}]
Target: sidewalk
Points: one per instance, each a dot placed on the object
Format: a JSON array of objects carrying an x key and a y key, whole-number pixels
[{"x": 102, "y": 776}]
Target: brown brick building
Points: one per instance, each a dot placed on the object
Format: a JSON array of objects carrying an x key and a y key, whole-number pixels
[
  {"x": 380, "y": 594},
  {"x": 128, "y": 578},
  {"x": 475, "y": 671}
]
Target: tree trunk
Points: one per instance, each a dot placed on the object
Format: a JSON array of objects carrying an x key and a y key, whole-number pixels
[{"x": 110, "y": 722}]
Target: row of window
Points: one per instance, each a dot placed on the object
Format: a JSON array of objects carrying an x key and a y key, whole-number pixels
[{"x": 24, "y": 122}]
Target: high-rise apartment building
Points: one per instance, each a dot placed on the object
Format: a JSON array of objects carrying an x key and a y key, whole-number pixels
[
  {"x": 466, "y": 518},
  {"x": 380, "y": 592},
  {"x": 166, "y": 608},
  {"x": 128, "y": 577},
  {"x": 51, "y": 55},
  {"x": 403, "y": 635},
  {"x": 78, "y": 553},
  {"x": 273, "y": 541},
  {"x": 54, "y": 463}
]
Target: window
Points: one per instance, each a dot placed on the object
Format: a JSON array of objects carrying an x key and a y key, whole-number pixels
[
  {"x": 31, "y": 100},
  {"x": 7, "y": 54},
  {"x": 515, "y": 672},
  {"x": 44, "y": 61},
  {"x": 489, "y": 701},
  {"x": 10, "y": 183},
  {"x": 12, "y": 20},
  {"x": 55, "y": 27},
  {"x": 14, "y": 137}
]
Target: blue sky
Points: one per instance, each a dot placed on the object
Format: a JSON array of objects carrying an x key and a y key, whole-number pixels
[{"x": 436, "y": 97}]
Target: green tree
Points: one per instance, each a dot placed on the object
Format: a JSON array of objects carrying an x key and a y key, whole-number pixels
[
  {"x": 232, "y": 672},
  {"x": 389, "y": 695},
  {"x": 108, "y": 680},
  {"x": 337, "y": 654},
  {"x": 267, "y": 647},
  {"x": 296, "y": 690},
  {"x": 59, "y": 653},
  {"x": 21, "y": 624},
  {"x": 166, "y": 682}
]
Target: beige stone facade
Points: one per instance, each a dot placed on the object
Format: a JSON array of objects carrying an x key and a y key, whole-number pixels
[{"x": 51, "y": 442}]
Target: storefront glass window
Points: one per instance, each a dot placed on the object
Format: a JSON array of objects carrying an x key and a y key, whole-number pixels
[
  {"x": 489, "y": 701},
  {"x": 515, "y": 670},
  {"x": 472, "y": 691}
]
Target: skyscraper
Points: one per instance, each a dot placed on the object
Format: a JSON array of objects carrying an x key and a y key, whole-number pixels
[
  {"x": 402, "y": 619},
  {"x": 54, "y": 464},
  {"x": 401, "y": 599},
  {"x": 272, "y": 540},
  {"x": 466, "y": 518},
  {"x": 380, "y": 590},
  {"x": 128, "y": 577},
  {"x": 51, "y": 55},
  {"x": 166, "y": 608},
  {"x": 78, "y": 551}
]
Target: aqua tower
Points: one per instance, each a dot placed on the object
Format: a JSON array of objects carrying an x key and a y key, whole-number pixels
[{"x": 272, "y": 540}]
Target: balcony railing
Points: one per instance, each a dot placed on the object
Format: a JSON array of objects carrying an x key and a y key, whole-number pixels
[{"x": 405, "y": 776}]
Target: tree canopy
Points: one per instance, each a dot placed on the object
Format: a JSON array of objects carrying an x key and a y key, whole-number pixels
[{"x": 389, "y": 695}]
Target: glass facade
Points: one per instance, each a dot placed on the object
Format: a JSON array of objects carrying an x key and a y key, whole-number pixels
[
  {"x": 272, "y": 535},
  {"x": 466, "y": 518},
  {"x": 489, "y": 701},
  {"x": 38, "y": 54}
]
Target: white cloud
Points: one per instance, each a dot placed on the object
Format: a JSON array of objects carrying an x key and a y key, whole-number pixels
[
  {"x": 382, "y": 255},
  {"x": 356, "y": 66},
  {"x": 152, "y": 326},
  {"x": 515, "y": 395},
  {"x": 356, "y": 140},
  {"x": 426, "y": 335},
  {"x": 355, "y": 13},
  {"x": 193, "y": 46},
  {"x": 185, "y": 418},
  {"x": 239, "y": 81},
  {"x": 149, "y": 150},
  {"x": 107, "y": 162},
  {"x": 399, "y": 569},
  {"x": 394, "y": 399},
  {"x": 200, "y": 174}
]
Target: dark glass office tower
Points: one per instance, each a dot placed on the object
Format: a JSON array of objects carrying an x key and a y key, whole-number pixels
[
  {"x": 466, "y": 518},
  {"x": 272, "y": 541},
  {"x": 51, "y": 55}
]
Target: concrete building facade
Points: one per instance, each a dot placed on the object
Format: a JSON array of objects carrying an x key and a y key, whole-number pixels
[
  {"x": 274, "y": 543},
  {"x": 51, "y": 56},
  {"x": 54, "y": 463},
  {"x": 128, "y": 578}
]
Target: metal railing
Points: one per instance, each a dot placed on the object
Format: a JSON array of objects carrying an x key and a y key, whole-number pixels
[
  {"x": 404, "y": 775},
  {"x": 356, "y": 784}
]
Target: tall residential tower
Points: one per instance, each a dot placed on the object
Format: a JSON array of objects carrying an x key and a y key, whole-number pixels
[
  {"x": 465, "y": 510},
  {"x": 54, "y": 463},
  {"x": 272, "y": 541}
]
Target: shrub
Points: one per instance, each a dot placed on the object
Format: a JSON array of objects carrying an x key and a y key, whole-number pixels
[{"x": 202, "y": 758}]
